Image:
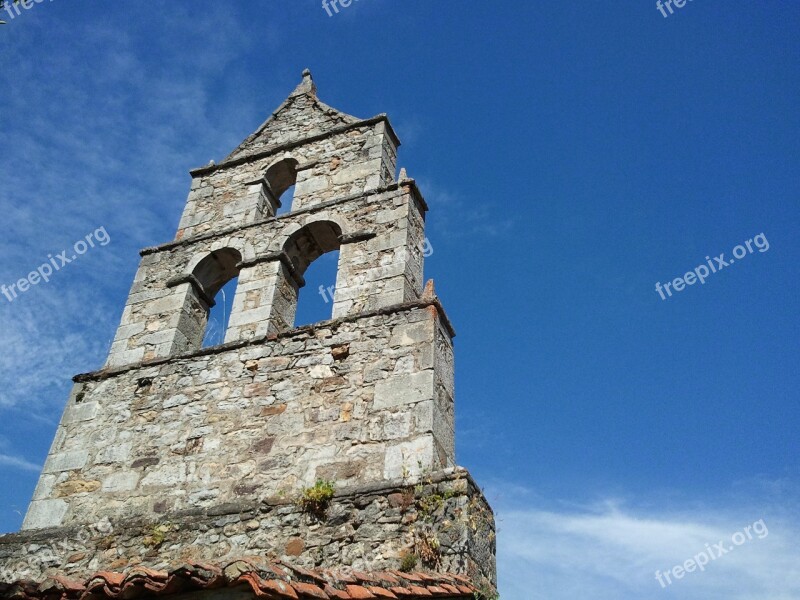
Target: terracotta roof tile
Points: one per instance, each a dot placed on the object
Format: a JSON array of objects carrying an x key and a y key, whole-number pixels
[
  {"x": 267, "y": 579},
  {"x": 465, "y": 589},
  {"x": 313, "y": 575},
  {"x": 310, "y": 590},
  {"x": 359, "y": 592},
  {"x": 438, "y": 590},
  {"x": 422, "y": 592},
  {"x": 386, "y": 579},
  {"x": 381, "y": 592},
  {"x": 400, "y": 592},
  {"x": 335, "y": 594},
  {"x": 281, "y": 588}
]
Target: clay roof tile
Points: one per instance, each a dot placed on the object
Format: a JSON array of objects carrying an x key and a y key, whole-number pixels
[
  {"x": 359, "y": 592},
  {"x": 267, "y": 579},
  {"x": 381, "y": 592},
  {"x": 335, "y": 594}
]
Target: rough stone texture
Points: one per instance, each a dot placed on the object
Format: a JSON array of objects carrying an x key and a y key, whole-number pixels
[
  {"x": 163, "y": 317},
  {"x": 252, "y": 421},
  {"x": 443, "y": 517},
  {"x": 189, "y": 451}
]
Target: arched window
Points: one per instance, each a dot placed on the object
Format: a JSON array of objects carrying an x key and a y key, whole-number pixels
[
  {"x": 220, "y": 314},
  {"x": 281, "y": 179},
  {"x": 303, "y": 248},
  {"x": 216, "y": 271},
  {"x": 315, "y": 303}
]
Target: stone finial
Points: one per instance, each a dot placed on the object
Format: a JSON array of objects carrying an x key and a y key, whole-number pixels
[
  {"x": 429, "y": 293},
  {"x": 403, "y": 174},
  {"x": 306, "y": 86}
]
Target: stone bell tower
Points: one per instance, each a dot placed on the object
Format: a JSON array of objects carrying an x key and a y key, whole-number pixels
[{"x": 204, "y": 454}]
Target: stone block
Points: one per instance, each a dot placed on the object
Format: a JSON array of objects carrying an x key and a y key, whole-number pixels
[
  {"x": 43, "y": 514},
  {"x": 399, "y": 390},
  {"x": 66, "y": 461}
]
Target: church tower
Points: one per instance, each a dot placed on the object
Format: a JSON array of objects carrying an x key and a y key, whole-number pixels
[{"x": 310, "y": 462}]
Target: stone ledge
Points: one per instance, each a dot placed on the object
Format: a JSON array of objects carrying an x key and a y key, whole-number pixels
[
  {"x": 195, "y": 283},
  {"x": 406, "y": 183},
  {"x": 297, "y": 143},
  {"x": 365, "y": 527},
  {"x": 281, "y": 257},
  {"x": 453, "y": 474},
  {"x": 306, "y": 329}
]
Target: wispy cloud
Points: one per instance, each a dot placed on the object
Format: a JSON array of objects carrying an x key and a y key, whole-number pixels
[
  {"x": 16, "y": 462},
  {"x": 457, "y": 215},
  {"x": 611, "y": 551},
  {"x": 99, "y": 138},
  {"x": 45, "y": 341}
]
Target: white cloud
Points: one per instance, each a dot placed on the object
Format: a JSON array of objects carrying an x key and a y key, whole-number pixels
[
  {"x": 45, "y": 342},
  {"x": 99, "y": 138},
  {"x": 16, "y": 462},
  {"x": 611, "y": 552},
  {"x": 456, "y": 215}
]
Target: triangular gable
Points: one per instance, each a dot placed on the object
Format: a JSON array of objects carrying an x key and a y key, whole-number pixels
[{"x": 301, "y": 115}]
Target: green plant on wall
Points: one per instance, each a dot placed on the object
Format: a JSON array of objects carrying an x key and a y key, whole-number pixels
[
  {"x": 408, "y": 562},
  {"x": 157, "y": 535},
  {"x": 316, "y": 499}
]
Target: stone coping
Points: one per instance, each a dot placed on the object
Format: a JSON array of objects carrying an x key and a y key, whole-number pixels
[
  {"x": 409, "y": 183},
  {"x": 452, "y": 474},
  {"x": 381, "y": 118},
  {"x": 304, "y": 330}
]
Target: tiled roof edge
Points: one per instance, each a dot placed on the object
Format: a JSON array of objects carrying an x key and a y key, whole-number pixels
[{"x": 273, "y": 579}]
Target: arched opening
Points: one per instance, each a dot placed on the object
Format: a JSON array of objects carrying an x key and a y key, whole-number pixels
[
  {"x": 319, "y": 240},
  {"x": 220, "y": 314},
  {"x": 281, "y": 179},
  {"x": 316, "y": 302},
  {"x": 205, "y": 319}
]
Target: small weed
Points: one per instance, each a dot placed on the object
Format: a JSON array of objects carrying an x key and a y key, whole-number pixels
[
  {"x": 409, "y": 562},
  {"x": 431, "y": 503},
  {"x": 428, "y": 549},
  {"x": 407, "y": 500},
  {"x": 157, "y": 535},
  {"x": 316, "y": 499},
  {"x": 487, "y": 593}
]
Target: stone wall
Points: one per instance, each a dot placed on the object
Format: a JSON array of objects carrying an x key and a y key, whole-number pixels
[
  {"x": 356, "y": 400},
  {"x": 355, "y": 161},
  {"x": 438, "y": 521},
  {"x": 380, "y": 264}
]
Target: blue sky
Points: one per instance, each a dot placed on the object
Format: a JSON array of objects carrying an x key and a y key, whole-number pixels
[{"x": 573, "y": 155}]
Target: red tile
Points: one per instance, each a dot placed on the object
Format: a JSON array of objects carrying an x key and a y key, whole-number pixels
[
  {"x": 401, "y": 591},
  {"x": 381, "y": 592},
  {"x": 279, "y": 587},
  {"x": 386, "y": 578},
  {"x": 312, "y": 591},
  {"x": 420, "y": 591},
  {"x": 437, "y": 591},
  {"x": 356, "y": 591},
  {"x": 335, "y": 594}
]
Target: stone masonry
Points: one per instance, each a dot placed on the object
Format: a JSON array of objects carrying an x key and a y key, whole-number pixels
[{"x": 181, "y": 451}]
